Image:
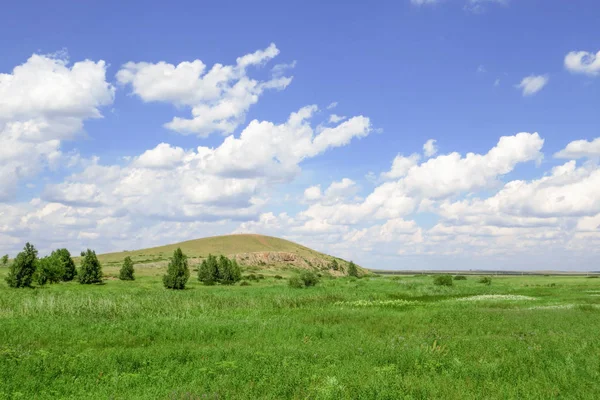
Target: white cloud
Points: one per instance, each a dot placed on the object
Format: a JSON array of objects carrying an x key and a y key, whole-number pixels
[
  {"x": 481, "y": 69},
  {"x": 312, "y": 193},
  {"x": 497, "y": 82},
  {"x": 400, "y": 166},
  {"x": 279, "y": 69},
  {"x": 583, "y": 62},
  {"x": 332, "y": 105},
  {"x": 429, "y": 148},
  {"x": 478, "y": 6},
  {"x": 333, "y": 118},
  {"x": 43, "y": 102},
  {"x": 580, "y": 149},
  {"x": 424, "y": 2},
  {"x": 219, "y": 98},
  {"x": 532, "y": 84}
]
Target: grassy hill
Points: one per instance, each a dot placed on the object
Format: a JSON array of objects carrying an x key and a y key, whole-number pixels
[{"x": 251, "y": 250}]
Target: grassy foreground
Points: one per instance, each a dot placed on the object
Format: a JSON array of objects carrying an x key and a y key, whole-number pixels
[{"x": 373, "y": 338}]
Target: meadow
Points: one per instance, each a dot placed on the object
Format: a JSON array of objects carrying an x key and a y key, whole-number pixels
[{"x": 383, "y": 337}]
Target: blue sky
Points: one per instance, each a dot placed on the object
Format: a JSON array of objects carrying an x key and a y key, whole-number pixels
[{"x": 401, "y": 72}]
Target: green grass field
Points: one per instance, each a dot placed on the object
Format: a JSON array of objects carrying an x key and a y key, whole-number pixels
[{"x": 372, "y": 338}]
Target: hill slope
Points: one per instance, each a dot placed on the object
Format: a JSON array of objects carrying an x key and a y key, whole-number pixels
[{"x": 251, "y": 250}]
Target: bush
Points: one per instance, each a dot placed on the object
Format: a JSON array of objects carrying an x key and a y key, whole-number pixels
[
  {"x": 4, "y": 260},
  {"x": 208, "y": 272},
  {"x": 229, "y": 271},
  {"x": 261, "y": 276},
  {"x": 278, "y": 277},
  {"x": 49, "y": 270},
  {"x": 251, "y": 277},
  {"x": 177, "y": 272},
  {"x": 68, "y": 265},
  {"x": 352, "y": 270},
  {"x": 90, "y": 270},
  {"x": 296, "y": 282},
  {"x": 460, "y": 278},
  {"x": 443, "y": 280},
  {"x": 334, "y": 265},
  {"x": 309, "y": 278},
  {"x": 245, "y": 283},
  {"x": 23, "y": 267},
  {"x": 126, "y": 272},
  {"x": 486, "y": 280}
]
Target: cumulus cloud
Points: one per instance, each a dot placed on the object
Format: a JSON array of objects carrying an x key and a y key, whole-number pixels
[
  {"x": 429, "y": 148},
  {"x": 583, "y": 62},
  {"x": 43, "y": 102},
  {"x": 219, "y": 98},
  {"x": 580, "y": 149},
  {"x": 532, "y": 84}
]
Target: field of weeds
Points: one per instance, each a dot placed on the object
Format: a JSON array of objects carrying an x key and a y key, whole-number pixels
[{"x": 379, "y": 337}]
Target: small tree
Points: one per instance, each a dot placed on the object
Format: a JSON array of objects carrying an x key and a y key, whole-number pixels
[
  {"x": 126, "y": 272},
  {"x": 90, "y": 270},
  {"x": 177, "y": 272},
  {"x": 49, "y": 270},
  {"x": 208, "y": 271},
  {"x": 309, "y": 278},
  {"x": 4, "y": 260},
  {"x": 352, "y": 270},
  {"x": 23, "y": 267},
  {"x": 70, "y": 271}
]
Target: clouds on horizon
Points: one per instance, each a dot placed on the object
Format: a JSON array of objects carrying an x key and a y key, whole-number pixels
[{"x": 168, "y": 193}]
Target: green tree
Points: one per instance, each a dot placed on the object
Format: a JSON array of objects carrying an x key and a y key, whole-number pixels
[
  {"x": 49, "y": 270},
  {"x": 126, "y": 272},
  {"x": 70, "y": 271},
  {"x": 309, "y": 278},
  {"x": 23, "y": 267},
  {"x": 4, "y": 260},
  {"x": 231, "y": 272},
  {"x": 177, "y": 272},
  {"x": 90, "y": 270},
  {"x": 208, "y": 272},
  {"x": 352, "y": 270}
]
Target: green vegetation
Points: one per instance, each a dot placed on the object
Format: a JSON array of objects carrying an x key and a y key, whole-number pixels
[
  {"x": 127, "y": 273},
  {"x": 68, "y": 265},
  {"x": 352, "y": 270},
  {"x": 23, "y": 268},
  {"x": 443, "y": 280},
  {"x": 223, "y": 270},
  {"x": 49, "y": 270},
  {"x": 460, "y": 278},
  {"x": 486, "y": 280},
  {"x": 342, "y": 339},
  {"x": 178, "y": 271},
  {"x": 90, "y": 271},
  {"x": 4, "y": 260}
]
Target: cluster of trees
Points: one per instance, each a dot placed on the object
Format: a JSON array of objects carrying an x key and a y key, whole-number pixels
[
  {"x": 27, "y": 268},
  {"x": 352, "y": 269},
  {"x": 222, "y": 270}
]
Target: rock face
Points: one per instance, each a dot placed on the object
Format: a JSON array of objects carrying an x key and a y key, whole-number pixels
[{"x": 277, "y": 258}]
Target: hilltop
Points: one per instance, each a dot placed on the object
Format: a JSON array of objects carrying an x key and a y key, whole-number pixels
[{"x": 251, "y": 250}]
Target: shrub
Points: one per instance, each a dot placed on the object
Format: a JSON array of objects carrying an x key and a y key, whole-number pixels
[
  {"x": 49, "y": 270},
  {"x": 443, "y": 280},
  {"x": 486, "y": 280},
  {"x": 309, "y": 278},
  {"x": 460, "y": 278},
  {"x": 251, "y": 277},
  {"x": 229, "y": 271},
  {"x": 68, "y": 265},
  {"x": 261, "y": 276},
  {"x": 334, "y": 265},
  {"x": 126, "y": 272},
  {"x": 4, "y": 260},
  {"x": 245, "y": 283},
  {"x": 90, "y": 270},
  {"x": 23, "y": 267},
  {"x": 177, "y": 271},
  {"x": 278, "y": 277},
  {"x": 208, "y": 272},
  {"x": 593, "y": 276},
  {"x": 352, "y": 270},
  {"x": 296, "y": 282}
]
